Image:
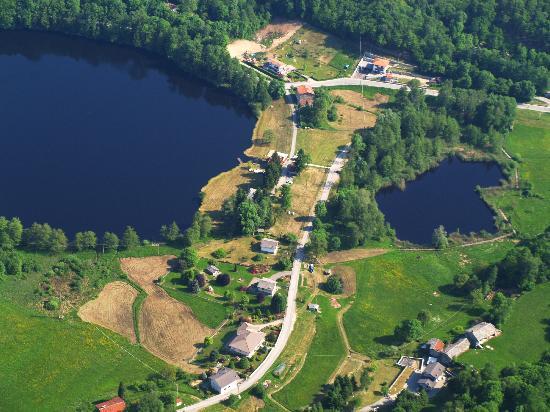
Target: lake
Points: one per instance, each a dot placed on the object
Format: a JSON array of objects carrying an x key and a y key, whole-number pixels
[
  {"x": 96, "y": 136},
  {"x": 443, "y": 196}
]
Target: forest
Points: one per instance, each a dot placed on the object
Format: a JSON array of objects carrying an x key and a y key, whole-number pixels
[{"x": 500, "y": 46}]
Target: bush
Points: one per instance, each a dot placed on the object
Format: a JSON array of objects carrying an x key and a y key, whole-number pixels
[
  {"x": 243, "y": 363},
  {"x": 258, "y": 258},
  {"x": 219, "y": 253},
  {"x": 334, "y": 285},
  {"x": 223, "y": 279},
  {"x": 258, "y": 391},
  {"x": 232, "y": 400},
  {"x": 52, "y": 304}
]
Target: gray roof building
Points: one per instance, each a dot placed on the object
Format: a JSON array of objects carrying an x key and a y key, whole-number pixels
[
  {"x": 434, "y": 371},
  {"x": 247, "y": 340},
  {"x": 452, "y": 350},
  {"x": 224, "y": 380},
  {"x": 481, "y": 333}
]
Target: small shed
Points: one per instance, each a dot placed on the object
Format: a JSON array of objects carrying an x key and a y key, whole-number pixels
[{"x": 314, "y": 307}]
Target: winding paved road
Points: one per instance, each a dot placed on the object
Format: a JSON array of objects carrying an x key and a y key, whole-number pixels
[{"x": 346, "y": 81}]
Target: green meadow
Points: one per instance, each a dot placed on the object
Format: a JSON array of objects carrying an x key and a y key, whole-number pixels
[
  {"x": 398, "y": 285},
  {"x": 530, "y": 142},
  {"x": 324, "y": 355},
  {"x": 48, "y": 364},
  {"x": 525, "y": 335}
]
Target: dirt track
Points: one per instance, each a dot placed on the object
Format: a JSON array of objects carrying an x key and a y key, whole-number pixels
[
  {"x": 167, "y": 327},
  {"x": 112, "y": 309}
]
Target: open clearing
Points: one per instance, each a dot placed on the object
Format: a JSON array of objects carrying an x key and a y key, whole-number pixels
[
  {"x": 239, "y": 250},
  {"x": 325, "y": 354},
  {"x": 347, "y": 274},
  {"x": 305, "y": 190},
  {"x": 317, "y": 54},
  {"x": 525, "y": 335},
  {"x": 530, "y": 140},
  {"x": 398, "y": 285},
  {"x": 48, "y": 364},
  {"x": 222, "y": 186},
  {"x": 112, "y": 309},
  {"x": 277, "y": 118},
  {"x": 341, "y": 256},
  {"x": 322, "y": 145},
  {"x": 278, "y": 31},
  {"x": 167, "y": 327}
]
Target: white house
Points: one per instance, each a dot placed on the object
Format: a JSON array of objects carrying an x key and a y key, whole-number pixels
[
  {"x": 247, "y": 340},
  {"x": 266, "y": 287},
  {"x": 314, "y": 307},
  {"x": 213, "y": 270},
  {"x": 269, "y": 246},
  {"x": 224, "y": 380}
]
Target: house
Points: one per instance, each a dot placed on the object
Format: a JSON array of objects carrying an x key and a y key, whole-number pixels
[
  {"x": 116, "y": 404},
  {"x": 380, "y": 65},
  {"x": 278, "y": 68},
  {"x": 251, "y": 192},
  {"x": 305, "y": 95},
  {"x": 435, "y": 347},
  {"x": 173, "y": 7},
  {"x": 213, "y": 270},
  {"x": 433, "y": 373},
  {"x": 314, "y": 307},
  {"x": 266, "y": 287},
  {"x": 481, "y": 333},
  {"x": 224, "y": 380},
  {"x": 452, "y": 350},
  {"x": 247, "y": 340},
  {"x": 269, "y": 246}
]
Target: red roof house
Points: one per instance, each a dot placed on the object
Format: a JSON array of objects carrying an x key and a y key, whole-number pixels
[
  {"x": 116, "y": 404},
  {"x": 305, "y": 95},
  {"x": 380, "y": 65}
]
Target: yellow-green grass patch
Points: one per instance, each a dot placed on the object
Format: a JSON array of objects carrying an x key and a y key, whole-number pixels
[
  {"x": 322, "y": 145},
  {"x": 277, "y": 118},
  {"x": 525, "y": 335}
]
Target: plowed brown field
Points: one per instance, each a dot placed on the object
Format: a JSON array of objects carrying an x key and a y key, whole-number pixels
[{"x": 112, "y": 309}]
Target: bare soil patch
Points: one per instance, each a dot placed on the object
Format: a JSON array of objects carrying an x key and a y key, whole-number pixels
[
  {"x": 169, "y": 329},
  {"x": 144, "y": 271},
  {"x": 348, "y": 277},
  {"x": 284, "y": 30},
  {"x": 352, "y": 254},
  {"x": 112, "y": 309}
]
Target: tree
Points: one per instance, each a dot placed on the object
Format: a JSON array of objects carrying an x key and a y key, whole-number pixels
[
  {"x": 276, "y": 89},
  {"x": 258, "y": 391},
  {"x": 318, "y": 243},
  {"x": 408, "y": 330},
  {"x": 194, "y": 286},
  {"x": 12, "y": 263},
  {"x": 286, "y": 197},
  {"x": 85, "y": 240},
  {"x": 245, "y": 300},
  {"x": 130, "y": 238},
  {"x": 334, "y": 285},
  {"x": 439, "y": 238},
  {"x": 201, "y": 279},
  {"x": 273, "y": 172},
  {"x": 223, "y": 279},
  {"x": 150, "y": 403},
  {"x": 424, "y": 316},
  {"x": 501, "y": 306},
  {"x": 302, "y": 160},
  {"x": 121, "y": 389},
  {"x": 278, "y": 303},
  {"x": 58, "y": 241},
  {"x": 244, "y": 363},
  {"x": 208, "y": 340},
  {"x": 268, "y": 137},
  {"x": 188, "y": 259},
  {"x": 171, "y": 232},
  {"x": 110, "y": 241},
  {"x": 249, "y": 217}
]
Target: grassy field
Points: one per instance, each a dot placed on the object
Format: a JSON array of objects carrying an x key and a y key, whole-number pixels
[
  {"x": 525, "y": 335},
  {"x": 48, "y": 364},
  {"x": 278, "y": 119},
  {"x": 530, "y": 140},
  {"x": 324, "y": 355},
  {"x": 398, "y": 285},
  {"x": 317, "y": 54},
  {"x": 322, "y": 145}
]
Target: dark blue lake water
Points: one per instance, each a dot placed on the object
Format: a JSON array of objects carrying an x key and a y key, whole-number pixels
[
  {"x": 95, "y": 136},
  {"x": 443, "y": 196}
]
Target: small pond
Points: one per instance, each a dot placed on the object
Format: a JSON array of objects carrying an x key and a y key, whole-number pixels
[
  {"x": 443, "y": 196},
  {"x": 97, "y": 137}
]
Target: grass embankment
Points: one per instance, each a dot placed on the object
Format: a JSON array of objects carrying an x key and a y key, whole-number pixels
[
  {"x": 48, "y": 364},
  {"x": 317, "y": 54},
  {"x": 136, "y": 307},
  {"x": 397, "y": 285},
  {"x": 525, "y": 335},
  {"x": 323, "y": 357},
  {"x": 530, "y": 140}
]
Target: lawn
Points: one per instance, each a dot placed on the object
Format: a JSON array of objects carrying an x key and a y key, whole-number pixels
[
  {"x": 396, "y": 286},
  {"x": 323, "y": 357},
  {"x": 525, "y": 335},
  {"x": 318, "y": 55},
  {"x": 48, "y": 364},
  {"x": 322, "y": 145},
  {"x": 530, "y": 140}
]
